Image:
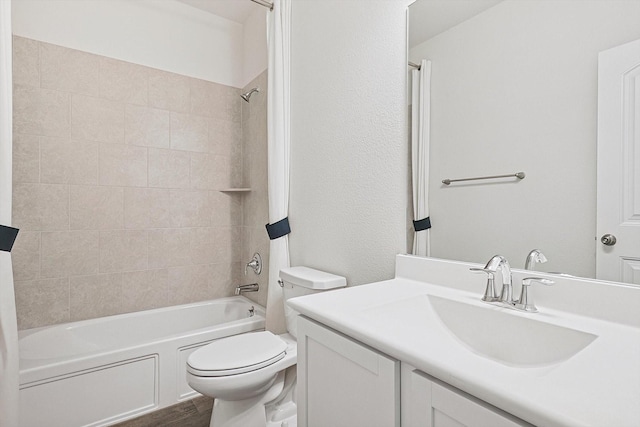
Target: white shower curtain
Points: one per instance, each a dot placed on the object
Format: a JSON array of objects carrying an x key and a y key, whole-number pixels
[
  {"x": 420, "y": 125},
  {"x": 8, "y": 328},
  {"x": 278, "y": 140}
]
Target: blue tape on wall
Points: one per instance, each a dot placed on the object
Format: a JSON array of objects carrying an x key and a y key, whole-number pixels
[
  {"x": 422, "y": 224},
  {"x": 7, "y": 237},
  {"x": 278, "y": 229}
]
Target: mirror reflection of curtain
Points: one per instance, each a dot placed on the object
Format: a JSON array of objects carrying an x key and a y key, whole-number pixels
[
  {"x": 278, "y": 141},
  {"x": 420, "y": 125},
  {"x": 8, "y": 326}
]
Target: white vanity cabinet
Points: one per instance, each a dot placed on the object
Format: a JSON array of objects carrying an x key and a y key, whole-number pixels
[
  {"x": 344, "y": 383},
  {"x": 427, "y": 402}
]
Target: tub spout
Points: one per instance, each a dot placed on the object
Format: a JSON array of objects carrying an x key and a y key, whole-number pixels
[{"x": 253, "y": 287}]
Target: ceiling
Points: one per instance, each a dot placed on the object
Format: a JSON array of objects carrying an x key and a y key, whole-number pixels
[{"x": 427, "y": 18}]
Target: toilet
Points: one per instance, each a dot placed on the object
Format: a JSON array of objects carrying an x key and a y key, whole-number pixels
[{"x": 252, "y": 376}]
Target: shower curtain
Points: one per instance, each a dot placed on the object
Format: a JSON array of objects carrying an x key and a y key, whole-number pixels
[
  {"x": 278, "y": 141},
  {"x": 8, "y": 328},
  {"x": 420, "y": 125}
]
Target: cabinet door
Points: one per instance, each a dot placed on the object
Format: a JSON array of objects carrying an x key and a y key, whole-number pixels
[
  {"x": 430, "y": 403},
  {"x": 344, "y": 383}
]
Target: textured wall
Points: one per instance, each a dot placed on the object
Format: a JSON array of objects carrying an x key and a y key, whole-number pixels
[
  {"x": 117, "y": 169},
  {"x": 349, "y": 137},
  {"x": 515, "y": 89}
]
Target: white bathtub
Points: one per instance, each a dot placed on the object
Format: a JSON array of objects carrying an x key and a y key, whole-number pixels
[{"x": 102, "y": 371}]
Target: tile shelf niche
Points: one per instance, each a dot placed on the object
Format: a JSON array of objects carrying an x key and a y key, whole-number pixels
[{"x": 236, "y": 190}]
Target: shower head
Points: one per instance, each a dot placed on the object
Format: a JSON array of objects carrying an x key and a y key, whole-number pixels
[{"x": 247, "y": 95}]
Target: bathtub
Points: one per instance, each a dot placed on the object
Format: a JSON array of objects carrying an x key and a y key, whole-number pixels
[{"x": 102, "y": 371}]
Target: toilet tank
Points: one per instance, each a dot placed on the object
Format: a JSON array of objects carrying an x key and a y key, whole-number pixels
[{"x": 298, "y": 281}]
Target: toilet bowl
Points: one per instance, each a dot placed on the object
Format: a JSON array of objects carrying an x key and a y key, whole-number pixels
[{"x": 252, "y": 376}]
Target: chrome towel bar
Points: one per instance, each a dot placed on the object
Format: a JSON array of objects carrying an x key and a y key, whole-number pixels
[{"x": 519, "y": 175}]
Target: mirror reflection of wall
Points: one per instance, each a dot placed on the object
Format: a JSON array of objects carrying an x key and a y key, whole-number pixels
[{"x": 514, "y": 88}]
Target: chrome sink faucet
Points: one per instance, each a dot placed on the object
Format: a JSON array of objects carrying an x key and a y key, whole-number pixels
[
  {"x": 525, "y": 302},
  {"x": 495, "y": 263},
  {"x": 500, "y": 262},
  {"x": 534, "y": 257}
]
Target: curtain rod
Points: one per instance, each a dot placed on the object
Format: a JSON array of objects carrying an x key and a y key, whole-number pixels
[
  {"x": 411, "y": 64},
  {"x": 264, "y": 3}
]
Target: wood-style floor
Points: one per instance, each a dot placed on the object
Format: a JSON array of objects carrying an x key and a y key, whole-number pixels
[{"x": 192, "y": 413}]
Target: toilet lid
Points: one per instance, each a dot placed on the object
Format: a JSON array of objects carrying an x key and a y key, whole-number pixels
[{"x": 237, "y": 354}]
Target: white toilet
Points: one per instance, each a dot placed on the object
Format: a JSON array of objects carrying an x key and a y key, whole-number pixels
[{"x": 247, "y": 374}]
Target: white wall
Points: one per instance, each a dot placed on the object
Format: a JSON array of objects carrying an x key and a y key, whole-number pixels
[
  {"x": 167, "y": 35},
  {"x": 255, "y": 52},
  {"x": 349, "y": 137},
  {"x": 515, "y": 89}
]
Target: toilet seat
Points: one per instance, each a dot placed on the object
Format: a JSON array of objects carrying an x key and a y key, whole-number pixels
[{"x": 237, "y": 355}]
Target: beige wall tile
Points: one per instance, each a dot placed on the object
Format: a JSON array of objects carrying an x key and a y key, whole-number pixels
[
  {"x": 26, "y": 158},
  {"x": 210, "y": 172},
  {"x": 189, "y": 284},
  {"x": 225, "y": 137},
  {"x": 168, "y": 168},
  {"x": 227, "y": 247},
  {"x": 226, "y": 208},
  {"x": 68, "y": 161},
  {"x": 256, "y": 208},
  {"x": 94, "y": 296},
  {"x": 170, "y": 247},
  {"x": 41, "y": 206},
  {"x": 146, "y": 208},
  {"x": 168, "y": 91},
  {"x": 203, "y": 245},
  {"x": 26, "y": 62},
  {"x": 41, "y": 111},
  {"x": 225, "y": 278},
  {"x": 96, "y": 208},
  {"x": 69, "y": 253},
  {"x": 123, "y": 81},
  {"x": 208, "y": 98},
  {"x": 26, "y": 256},
  {"x": 42, "y": 302},
  {"x": 68, "y": 70},
  {"x": 218, "y": 101},
  {"x": 256, "y": 240},
  {"x": 190, "y": 208},
  {"x": 189, "y": 132},
  {"x": 123, "y": 250},
  {"x": 197, "y": 132},
  {"x": 148, "y": 127},
  {"x": 123, "y": 165},
  {"x": 97, "y": 119},
  {"x": 144, "y": 290}
]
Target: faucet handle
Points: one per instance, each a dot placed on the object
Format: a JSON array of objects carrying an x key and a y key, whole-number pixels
[
  {"x": 525, "y": 303},
  {"x": 529, "y": 280},
  {"x": 490, "y": 294}
]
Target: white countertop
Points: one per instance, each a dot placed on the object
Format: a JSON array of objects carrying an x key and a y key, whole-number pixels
[{"x": 598, "y": 386}]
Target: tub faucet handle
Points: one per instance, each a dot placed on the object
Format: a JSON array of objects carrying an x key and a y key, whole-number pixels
[{"x": 255, "y": 264}]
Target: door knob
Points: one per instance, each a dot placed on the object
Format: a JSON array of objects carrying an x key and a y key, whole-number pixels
[{"x": 608, "y": 239}]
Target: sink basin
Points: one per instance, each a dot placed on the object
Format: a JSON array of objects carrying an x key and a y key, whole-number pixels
[{"x": 506, "y": 337}]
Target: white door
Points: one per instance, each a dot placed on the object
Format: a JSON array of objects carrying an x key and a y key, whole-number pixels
[{"x": 618, "y": 215}]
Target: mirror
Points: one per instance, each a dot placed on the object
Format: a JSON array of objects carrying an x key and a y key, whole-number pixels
[{"x": 514, "y": 87}]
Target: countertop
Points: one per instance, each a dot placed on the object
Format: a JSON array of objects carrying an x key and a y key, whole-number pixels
[{"x": 598, "y": 386}]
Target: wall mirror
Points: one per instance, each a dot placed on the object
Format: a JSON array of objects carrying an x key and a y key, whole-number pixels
[{"x": 514, "y": 87}]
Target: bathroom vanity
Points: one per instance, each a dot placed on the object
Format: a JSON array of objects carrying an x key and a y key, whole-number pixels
[{"x": 422, "y": 349}]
